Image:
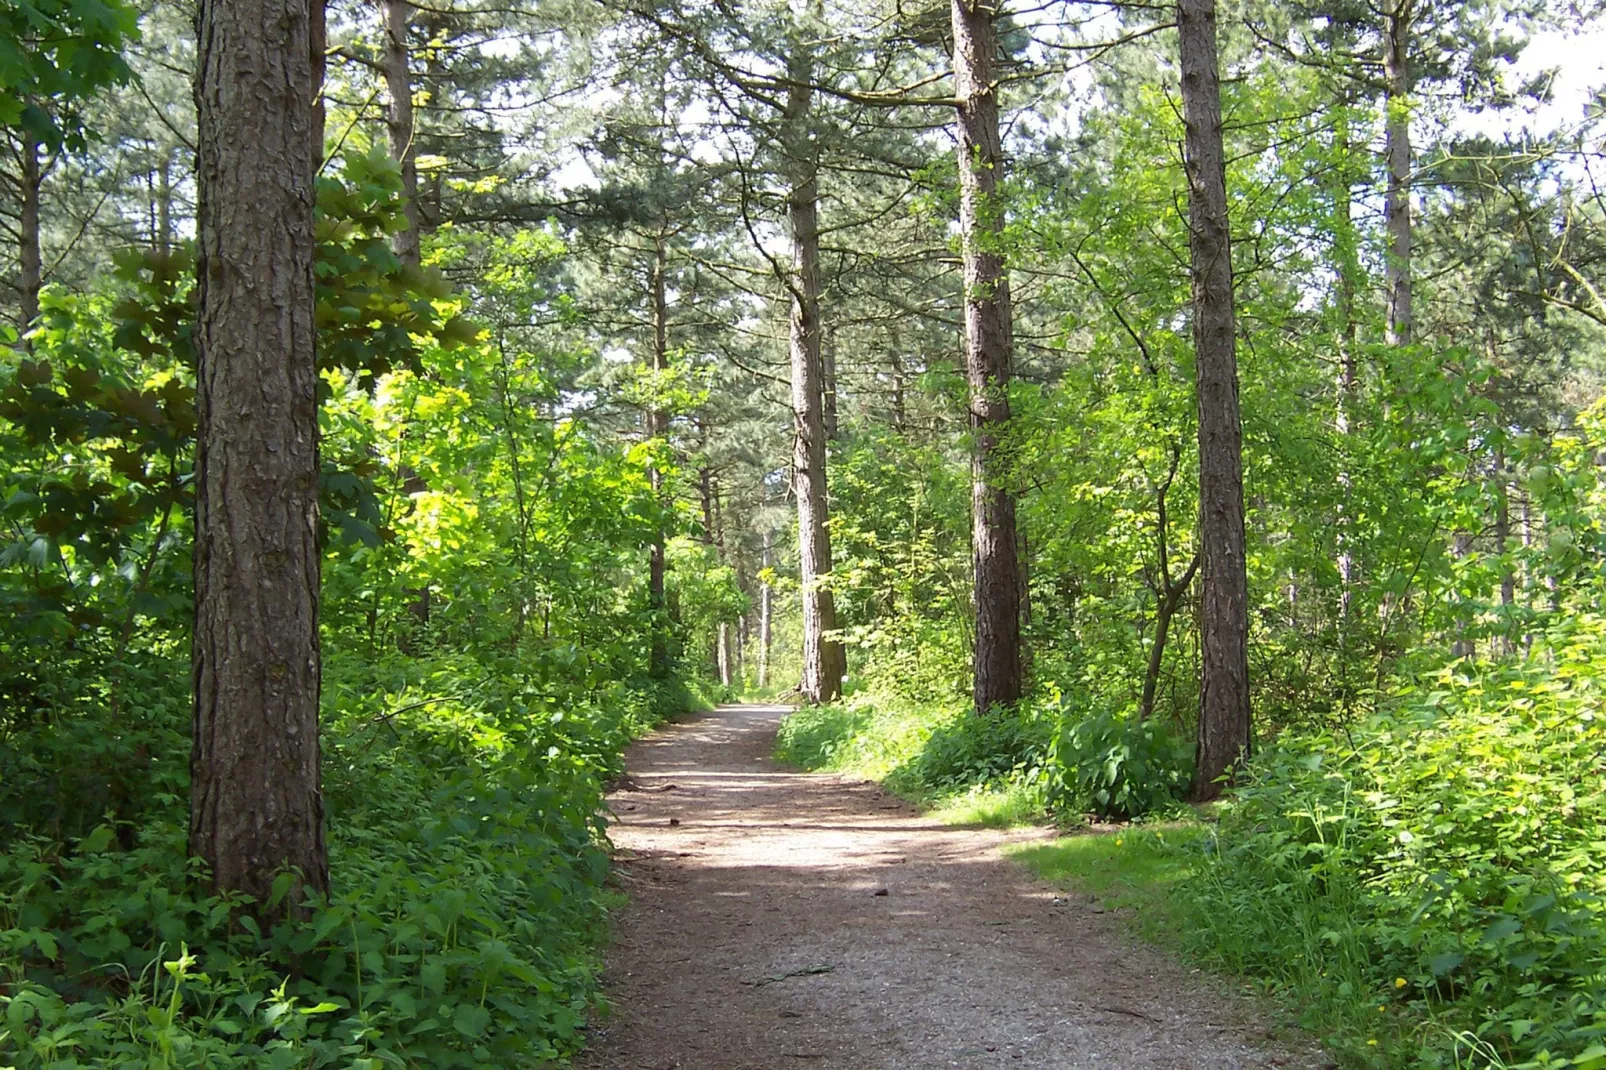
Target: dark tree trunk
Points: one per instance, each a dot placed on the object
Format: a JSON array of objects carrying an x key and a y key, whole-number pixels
[
  {"x": 30, "y": 263},
  {"x": 988, "y": 346},
  {"x": 1224, "y": 725},
  {"x": 399, "y": 123},
  {"x": 1397, "y": 17},
  {"x": 256, "y": 806},
  {"x": 658, "y": 429},
  {"x": 824, "y": 659}
]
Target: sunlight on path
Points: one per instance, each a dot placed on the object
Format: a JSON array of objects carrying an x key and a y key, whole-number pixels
[{"x": 780, "y": 917}]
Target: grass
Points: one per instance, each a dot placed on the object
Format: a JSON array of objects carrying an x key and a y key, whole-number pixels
[
  {"x": 1153, "y": 873},
  {"x": 938, "y": 757}
]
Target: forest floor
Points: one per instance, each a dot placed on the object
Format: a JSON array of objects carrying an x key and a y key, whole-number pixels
[{"x": 781, "y": 919}]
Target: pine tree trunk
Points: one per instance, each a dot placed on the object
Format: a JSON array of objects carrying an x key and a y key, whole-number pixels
[
  {"x": 318, "y": 48},
  {"x": 399, "y": 124},
  {"x": 256, "y": 805},
  {"x": 988, "y": 346},
  {"x": 657, "y": 429},
  {"x": 824, "y": 659},
  {"x": 1224, "y": 725},
  {"x": 1397, "y": 149},
  {"x": 30, "y": 263}
]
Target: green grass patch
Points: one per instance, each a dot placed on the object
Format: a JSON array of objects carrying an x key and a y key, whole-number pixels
[{"x": 1155, "y": 872}]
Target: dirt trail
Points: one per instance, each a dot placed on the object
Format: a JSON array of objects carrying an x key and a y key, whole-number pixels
[{"x": 780, "y": 919}]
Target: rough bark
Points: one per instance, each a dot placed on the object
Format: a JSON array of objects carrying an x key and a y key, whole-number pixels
[
  {"x": 988, "y": 350},
  {"x": 399, "y": 124},
  {"x": 1224, "y": 725},
  {"x": 1397, "y": 17},
  {"x": 318, "y": 48},
  {"x": 657, "y": 429},
  {"x": 256, "y": 805},
  {"x": 30, "y": 264},
  {"x": 824, "y": 659}
]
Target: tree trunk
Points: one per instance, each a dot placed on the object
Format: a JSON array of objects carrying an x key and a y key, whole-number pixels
[
  {"x": 399, "y": 124},
  {"x": 1502, "y": 537},
  {"x": 824, "y": 659},
  {"x": 988, "y": 345},
  {"x": 318, "y": 48},
  {"x": 658, "y": 429},
  {"x": 30, "y": 263},
  {"x": 1463, "y": 647},
  {"x": 256, "y": 806},
  {"x": 1397, "y": 148},
  {"x": 828, "y": 386},
  {"x": 723, "y": 653},
  {"x": 1346, "y": 265},
  {"x": 1224, "y": 725},
  {"x": 766, "y": 600}
]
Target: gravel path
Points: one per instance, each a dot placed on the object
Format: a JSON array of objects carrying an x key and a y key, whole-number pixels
[{"x": 781, "y": 919}]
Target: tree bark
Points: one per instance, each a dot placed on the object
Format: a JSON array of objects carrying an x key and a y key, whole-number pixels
[
  {"x": 256, "y": 805},
  {"x": 1397, "y": 19},
  {"x": 318, "y": 49},
  {"x": 824, "y": 659},
  {"x": 988, "y": 351},
  {"x": 30, "y": 263},
  {"x": 1224, "y": 719},
  {"x": 658, "y": 429},
  {"x": 399, "y": 124}
]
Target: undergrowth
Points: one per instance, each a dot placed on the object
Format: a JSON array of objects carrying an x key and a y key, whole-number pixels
[
  {"x": 467, "y": 852},
  {"x": 1424, "y": 889}
]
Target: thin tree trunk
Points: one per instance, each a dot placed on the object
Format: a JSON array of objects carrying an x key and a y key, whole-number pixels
[
  {"x": 828, "y": 386},
  {"x": 1463, "y": 647},
  {"x": 766, "y": 600},
  {"x": 723, "y": 653},
  {"x": 900, "y": 417},
  {"x": 1224, "y": 724},
  {"x": 399, "y": 124},
  {"x": 1346, "y": 265},
  {"x": 824, "y": 659},
  {"x": 164, "y": 206},
  {"x": 256, "y": 805},
  {"x": 657, "y": 429},
  {"x": 988, "y": 345},
  {"x": 30, "y": 263},
  {"x": 1397, "y": 18},
  {"x": 1502, "y": 537}
]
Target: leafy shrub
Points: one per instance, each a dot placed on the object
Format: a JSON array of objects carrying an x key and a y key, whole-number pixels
[
  {"x": 1117, "y": 766},
  {"x": 466, "y": 851},
  {"x": 1447, "y": 856},
  {"x": 969, "y": 749}
]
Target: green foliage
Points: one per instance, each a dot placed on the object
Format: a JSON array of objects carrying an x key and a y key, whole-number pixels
[
  {"x": 485, "y": 644},
  {"x": 53, "y": 55},
  {"x": 1442, "y": 858},
  {"x": 1117, "y": 766}
]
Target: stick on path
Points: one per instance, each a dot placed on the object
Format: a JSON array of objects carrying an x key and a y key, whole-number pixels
[{"x": 782, "y": 919}]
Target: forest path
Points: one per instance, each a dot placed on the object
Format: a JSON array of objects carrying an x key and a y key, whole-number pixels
[{"x": 782, "y": 919}]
